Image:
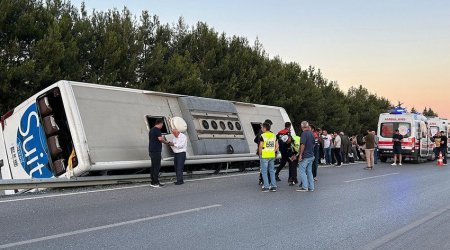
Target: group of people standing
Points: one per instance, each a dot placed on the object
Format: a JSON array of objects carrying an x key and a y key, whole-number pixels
[
  {"x": 303, "y": 154},
  {"x": 298, "y": 152}
]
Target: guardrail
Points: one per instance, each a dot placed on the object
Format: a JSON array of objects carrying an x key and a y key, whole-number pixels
[
  {"x": 29, "y": 184},
  {"x": 73, "y": 182}
]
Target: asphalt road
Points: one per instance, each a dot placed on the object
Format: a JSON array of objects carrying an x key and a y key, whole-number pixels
[{"x": 404, "y": 207}]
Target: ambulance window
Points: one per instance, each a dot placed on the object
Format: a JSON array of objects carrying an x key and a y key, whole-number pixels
[
  {"x": 434, "y": 130},
  {"x": 151, "y": 120},
  {"x": 404, "y": 129},
  {"x": 387, "y": 130}
]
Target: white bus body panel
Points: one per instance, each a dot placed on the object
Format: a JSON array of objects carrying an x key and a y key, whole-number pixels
[{"x": 109, "y": 129}]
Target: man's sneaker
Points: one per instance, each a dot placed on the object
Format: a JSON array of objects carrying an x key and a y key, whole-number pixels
[
  {"x": 315, "y": 179},
  {"x": 277, "y": 178},
  {"x": 394, "y": 164},
  {"x": 310, "y": 190},
  {"x": 264, "y": 190},
  {"x": 154, "y": 185},
  {"x": 301, "y": 190},
  {"x": 400, "y": 164},
  {"x": 291, "y": 183},
  {"x": 160, "y": 185},
  {"x": 339, "y": 165},
  {"x": 273, "y": 189}
]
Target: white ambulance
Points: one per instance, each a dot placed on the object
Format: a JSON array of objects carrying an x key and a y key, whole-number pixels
[{"x": 416, "y": 145}]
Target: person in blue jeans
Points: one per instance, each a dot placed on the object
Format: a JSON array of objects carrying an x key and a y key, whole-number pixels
[
  {"x": 306, "y": 158},
  {"x": 268, "y": 146}
]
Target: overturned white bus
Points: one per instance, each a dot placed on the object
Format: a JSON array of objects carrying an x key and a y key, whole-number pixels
[{"x": 74, "y": 129}]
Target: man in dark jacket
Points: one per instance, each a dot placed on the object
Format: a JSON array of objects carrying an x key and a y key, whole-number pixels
[
  {"x": 345, "y": 147},
  {"x": 444, "y": 147},
  {"x": 284, "y": 141}
]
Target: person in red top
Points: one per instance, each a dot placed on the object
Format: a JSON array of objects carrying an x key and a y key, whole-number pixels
[{"x": 284, "y": 141}]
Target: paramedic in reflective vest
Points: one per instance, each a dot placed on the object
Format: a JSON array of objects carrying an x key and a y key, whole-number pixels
[
  {"x": 268, "y": 146},
  {"x": 154, "y": 150},
  {"x": 295, "y": 147},
  {"x": 257, "y": 140}
]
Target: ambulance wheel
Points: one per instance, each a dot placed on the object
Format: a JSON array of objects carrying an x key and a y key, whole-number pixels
[{"x": 383, "y": 159}]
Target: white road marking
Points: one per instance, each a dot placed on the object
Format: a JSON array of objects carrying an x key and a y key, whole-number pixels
[
  {"x": 372, "y": 177},
  {"x": 220, "y": 177},
  {"x": 69, "y": 194},
  {"x": 56, "y": 236},
  {"x": 391, "y": 236},
  {"x": 114, "y": 189}
]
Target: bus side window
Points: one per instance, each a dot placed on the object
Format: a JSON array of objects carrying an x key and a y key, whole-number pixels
[{"x": 151, "y": 120}]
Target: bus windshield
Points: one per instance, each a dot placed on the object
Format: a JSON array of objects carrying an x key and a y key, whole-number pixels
[{"x": 388, "y": 129}]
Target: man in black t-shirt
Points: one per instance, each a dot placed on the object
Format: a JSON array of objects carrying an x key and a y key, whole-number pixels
[
  {"x": 444, "y": 147},
  {"x": 154, "y": 150},
  {"x": 397, "y": 139}
]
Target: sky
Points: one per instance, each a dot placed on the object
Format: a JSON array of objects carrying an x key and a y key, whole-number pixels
[{"x": 397, "y": 49}]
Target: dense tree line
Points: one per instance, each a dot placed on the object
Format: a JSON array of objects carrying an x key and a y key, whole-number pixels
[{"x": 43, "y": 42}]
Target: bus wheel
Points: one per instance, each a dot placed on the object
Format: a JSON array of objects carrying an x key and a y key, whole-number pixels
[{"x": 383, "y": 159}]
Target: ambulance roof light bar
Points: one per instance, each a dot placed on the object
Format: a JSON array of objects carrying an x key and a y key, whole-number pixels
[{"x": 398, "y": 111}]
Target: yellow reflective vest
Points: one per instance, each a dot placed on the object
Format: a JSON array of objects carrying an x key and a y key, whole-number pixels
[
  {"x": 268, "y": 149},
  {"x": 295, "y": 146}
]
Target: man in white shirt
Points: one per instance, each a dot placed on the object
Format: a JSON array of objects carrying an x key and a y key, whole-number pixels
[
  {"x": 179, "y": 145},
  {"x": 327, "y": 146},
  {"x": 337, "y": 149}
]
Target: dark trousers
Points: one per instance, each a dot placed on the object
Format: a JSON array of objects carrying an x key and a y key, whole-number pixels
[
  {"x": 293, "y": 171},
  {"x": 156, "y": 166},
  {"x": 284, "y": 159},
  {"x": 444, "y": 154},
  {"x": 179, "y": 159},
  {"x": 345, "y": 157},
  {"x": 337, "y": 154},
  {"x": 315, "y": 165},
  {"x": 436, "y": 152}
]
